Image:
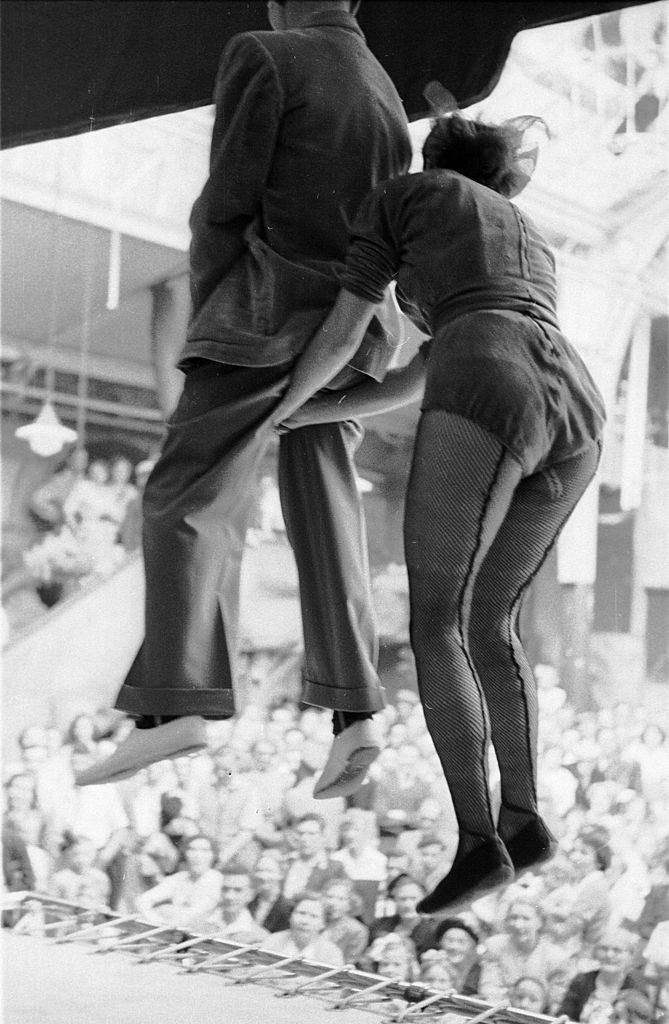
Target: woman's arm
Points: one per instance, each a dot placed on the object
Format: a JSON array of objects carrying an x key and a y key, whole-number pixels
[
  {"x": 399, "y": 387},
  {"x": 327, "y": 353}
]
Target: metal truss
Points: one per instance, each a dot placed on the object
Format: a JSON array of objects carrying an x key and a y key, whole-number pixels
[{"x": 340, "y": 988}]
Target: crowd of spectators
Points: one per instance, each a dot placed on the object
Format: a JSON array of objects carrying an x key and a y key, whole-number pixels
[
  {"x": 231, "y": 842},
  {"x": 88, "y": 515}
]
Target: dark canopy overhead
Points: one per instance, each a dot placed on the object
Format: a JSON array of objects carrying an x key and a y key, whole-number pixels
[{"x": 71, "y": 66}]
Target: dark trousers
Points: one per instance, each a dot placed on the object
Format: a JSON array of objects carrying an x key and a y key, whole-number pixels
[{"x": 197, "y": 505}]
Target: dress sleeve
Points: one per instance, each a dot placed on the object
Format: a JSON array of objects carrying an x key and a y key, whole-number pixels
[{"x": 373, "y": 257}]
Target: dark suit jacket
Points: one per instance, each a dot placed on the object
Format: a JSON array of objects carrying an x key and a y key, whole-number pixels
[
  {"x": 421, "y": 936},
  {"x": 278, "y": 918},
  {"x": 581, "y": 988},
  {"x": 307, "y": 122}
]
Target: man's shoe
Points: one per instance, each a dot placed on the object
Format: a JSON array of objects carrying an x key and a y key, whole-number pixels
[
  {"x": 351, "y": 754},
  {"x": 143, "y": 747}
]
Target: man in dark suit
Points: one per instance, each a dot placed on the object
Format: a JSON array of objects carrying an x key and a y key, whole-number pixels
[
  {"x": 310, "y": 867},
  {"x": 307, "y": 122},
  {"x": 406, "y": 892},
  {"x": 269, "y": 907}
]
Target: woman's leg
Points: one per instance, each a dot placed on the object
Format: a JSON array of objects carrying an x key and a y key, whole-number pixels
[
  {"x": 461, "y": 486},
  {"x": 541, "y": 505}
]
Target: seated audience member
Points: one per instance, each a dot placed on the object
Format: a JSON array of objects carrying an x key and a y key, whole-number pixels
[
  {"x": 590, "y": 997},
  {"x": 361, "y": 858},
  {"x": 46, "y": 504},
  {"x": 232, "y": 810},
  {"x": 563, "y": 924},
  {"x": 530, "y": 994},
  {"x": 458, "y": 942},
  {"x": 17, "y": 870},
  {"x": 521, "y": 950},
  {"x": 341, "y": 927},
  {"x": 435, "y": 971},
  {"x": 393, "y": 956},
  {"x": 80, "y": 881},
  {"x": 310, "y": 866},
  {"x": 398, "y": 864},
  {"x": 28, "y": 827},
  {"x": 407, "y": 893},
  {"x": 269, "y": 908},
  {"x": 402, "y": 788},
  {"x": 304, "y": 936},
  {"x": 432, "y": 861},
  {"x": 656, "y": 904},
  {"x": 188, "y": 898},
  {"x": 590, "y": 855},
  {"x": 632, "y": 1007},
  {"x": 232, "y": 919}
]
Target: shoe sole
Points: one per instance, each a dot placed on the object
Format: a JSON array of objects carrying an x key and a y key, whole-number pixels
[
  {"x": 353, "y": 775},
  {"x": 129, "y": 772},
  {"x": 495, "y": 880}
]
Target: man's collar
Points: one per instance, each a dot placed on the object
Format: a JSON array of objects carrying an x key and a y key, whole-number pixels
[{"x": 333, "y": 19}]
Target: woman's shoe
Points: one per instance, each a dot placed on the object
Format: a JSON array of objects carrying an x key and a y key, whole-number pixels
[
  {"x": 351, "y": 754},
  {"x": 485, "y": 867},
  {"x": 533, "y": 844},
  {"x": 143, "y": 747}
]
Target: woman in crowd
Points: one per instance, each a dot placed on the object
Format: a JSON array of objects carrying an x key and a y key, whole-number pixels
[
  {"x": 590, "y": 856},
  {"x": 459, "y": 943},
  {"x": 341, "y": 927},
  {"x": 519, "y": 951},
  {"x": 591, "y": 996},
  {"x": 304, "y": 936},
  {"x": 188, "y": 898},
  {"x": 530, "y": 994},
  {"x": 508, "y": 440}
]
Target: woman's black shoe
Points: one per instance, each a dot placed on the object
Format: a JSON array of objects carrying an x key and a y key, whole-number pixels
[
  {"x": 534, "y": 844},
  {"x": 485, "y": 867}
]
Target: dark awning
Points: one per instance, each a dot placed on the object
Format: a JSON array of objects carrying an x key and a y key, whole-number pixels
[{"x": 68, "y": 66}]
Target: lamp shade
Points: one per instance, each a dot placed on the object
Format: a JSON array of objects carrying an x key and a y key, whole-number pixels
[{"x": 46, "y": 435}]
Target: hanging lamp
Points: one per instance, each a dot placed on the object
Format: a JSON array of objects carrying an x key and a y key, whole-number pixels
[{"x": 46, "y": 435}]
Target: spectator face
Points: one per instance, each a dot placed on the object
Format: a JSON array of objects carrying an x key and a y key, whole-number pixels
[
  {"x": 560, "y": 924},
  {"x": 310, "y": 838},
  {"x": 457, "y": 945},
  {"x": 398, "y": 864},
  {"x": 528, "y": 994},
  {"x": 583, "y": 857},
  {"x": 336, "y": 902},
  {"x": 82, "y": 856},
  {"x": 437, "y": 975},
  {"x": 83, "y": 729},
  {"x": 98, "y": 472},
  {"x": 429, "y": 814},
  {"x": 522, "y": 922},
  {"x": 121, "y": 471},
  {"x": 354, "y": 835},
  {"x": 236, "y": 893},
  {"x": 307, "y": 919},
  {"x": 431, "y": 857},
  {"x": 397, "y": 735},
  {"x": 652, "y": 737},
  {"x": 34, "y": 745},
  {"x": 406, "y": 895},
  {"x": 199, "y": 856},
  {"x": 21, "y": 793},
  {"x": 395, "y": 963},
  {"x": 267, "y": 875},
  {"x": 613, "y": 953}
]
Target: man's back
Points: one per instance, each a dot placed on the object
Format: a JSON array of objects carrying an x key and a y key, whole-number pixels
[{"x": 307, "y": 122}]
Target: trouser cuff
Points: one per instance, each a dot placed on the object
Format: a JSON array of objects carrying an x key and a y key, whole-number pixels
[
  {"x": 149, "y": 700},
  {"x": 340, "y": 698}
]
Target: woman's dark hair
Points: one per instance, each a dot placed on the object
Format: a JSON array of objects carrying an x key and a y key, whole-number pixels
[
  {"x": 483, "y": 152},
  {"x": 451, "y": 923},
  {"x": 597, "y": 838}
]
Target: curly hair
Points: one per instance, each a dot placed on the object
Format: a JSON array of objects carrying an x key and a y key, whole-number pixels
[{"x": 486, "y": 153}]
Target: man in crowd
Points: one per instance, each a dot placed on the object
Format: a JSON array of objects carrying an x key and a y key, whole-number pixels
[
  {"x": 307, "y": 122},
  {"x": 310, "y": 866},
  {"x": 232, "y": 920}
]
